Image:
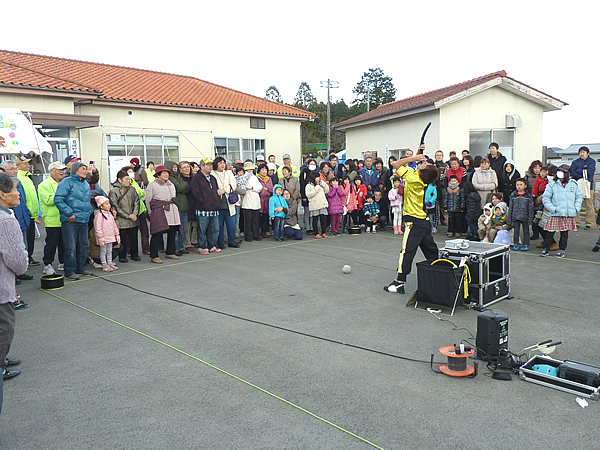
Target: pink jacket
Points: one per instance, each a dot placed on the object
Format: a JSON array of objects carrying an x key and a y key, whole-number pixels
[
  {"x": 351, "y": 199},
  {"x": 105, "y": 227},
  {"x": 395, "y": 202}
]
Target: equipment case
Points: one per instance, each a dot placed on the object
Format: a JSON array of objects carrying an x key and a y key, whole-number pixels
[
  {"x": 527, "y": 373},
  {"x": 489, "y": 265}
]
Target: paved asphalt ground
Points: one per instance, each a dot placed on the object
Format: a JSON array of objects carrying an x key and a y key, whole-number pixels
[{"x": 247, "y": 353}]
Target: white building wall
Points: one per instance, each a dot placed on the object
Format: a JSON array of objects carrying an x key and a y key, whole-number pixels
[
  {"x": 37, "y": 103},
  {"x": 402, "y": 133},
  {"x": 196, "y": 131},
  {"x": 486, "y": 110}
]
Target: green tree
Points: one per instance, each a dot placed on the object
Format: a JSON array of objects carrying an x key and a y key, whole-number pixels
[
  {"x": 273, "y": 94},
  {"x": 304, "y": 97},
  {"x": 381, "y": 88}
]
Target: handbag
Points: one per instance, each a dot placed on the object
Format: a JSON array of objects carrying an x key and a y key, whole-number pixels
[
  {"x": 584, "y": 185},
  {"x": 233, "y": 197}
]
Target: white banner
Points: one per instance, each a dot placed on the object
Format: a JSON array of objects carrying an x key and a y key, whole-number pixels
[{"x": 17, "y": 134}]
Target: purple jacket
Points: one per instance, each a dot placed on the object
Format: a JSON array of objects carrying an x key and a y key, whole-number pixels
[
  {"x": 334, "y": 198},
  {"x": 265, "y": 195}
]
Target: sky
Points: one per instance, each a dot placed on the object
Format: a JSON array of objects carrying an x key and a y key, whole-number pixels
[{"x": 552, "y": 46}]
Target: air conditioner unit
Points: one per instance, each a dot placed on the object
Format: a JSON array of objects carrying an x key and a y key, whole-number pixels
[{"x": 513, "y": 121}]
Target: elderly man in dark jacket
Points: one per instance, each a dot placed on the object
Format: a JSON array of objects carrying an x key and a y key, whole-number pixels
[{"x": 207, "y": 197}]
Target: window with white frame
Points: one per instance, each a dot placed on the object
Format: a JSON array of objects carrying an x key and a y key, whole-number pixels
[
  {"x": 480, "y": 140},
  {"x": 372, "y": 152},
  {"x": 239, "y": 148},
  {"x": 155, "y": 148}
]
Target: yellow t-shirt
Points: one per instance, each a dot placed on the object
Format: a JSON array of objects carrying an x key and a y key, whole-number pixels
[{"x": 414, "y": 192}]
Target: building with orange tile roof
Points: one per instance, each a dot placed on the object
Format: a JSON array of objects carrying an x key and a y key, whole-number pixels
[
  {"x": 110, "y": 114},
  {"x": 468, "y": 115}
]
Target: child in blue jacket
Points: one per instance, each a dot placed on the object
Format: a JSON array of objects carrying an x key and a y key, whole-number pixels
[{"x": 277, "y": 210}]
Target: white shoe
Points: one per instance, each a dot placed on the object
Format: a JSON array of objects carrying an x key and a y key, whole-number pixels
[
  {"x": 61, "y": 267},
  {"x": 49, "y": 270},
  {"x": 96, "y": 265},
  {"x": 368, "y": 229},
  {"x": 374, "y": 229}
]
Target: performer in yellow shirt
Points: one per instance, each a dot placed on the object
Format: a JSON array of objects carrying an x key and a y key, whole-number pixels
[{"x": 417, "y": 232}]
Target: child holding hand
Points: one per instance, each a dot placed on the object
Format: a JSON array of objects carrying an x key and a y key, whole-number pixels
[{"x": 107, "y": 233}]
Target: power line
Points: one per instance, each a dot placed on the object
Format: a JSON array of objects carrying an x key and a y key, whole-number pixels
[{"x": 329, "y": 85}]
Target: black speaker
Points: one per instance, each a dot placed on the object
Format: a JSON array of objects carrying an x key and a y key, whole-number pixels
[{"x": 492, "y": 333}]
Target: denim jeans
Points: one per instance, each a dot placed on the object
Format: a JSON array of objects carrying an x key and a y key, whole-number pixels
[
  {"x": 278, "y": 223},
  {"x": 179, "y": 240},
  {"x": 226, "y": 220},
  {"x": 76, "y": 246},
  {"x": 208, "y": 231}
]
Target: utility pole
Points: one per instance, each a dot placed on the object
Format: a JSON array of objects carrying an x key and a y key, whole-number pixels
[{"x": 329, "y": 85}]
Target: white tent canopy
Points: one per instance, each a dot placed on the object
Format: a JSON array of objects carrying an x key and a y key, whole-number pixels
[{"x": 17, "y": 134}]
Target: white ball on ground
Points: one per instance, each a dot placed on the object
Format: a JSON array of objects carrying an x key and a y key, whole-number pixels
[{"x": 346, "y": 269}]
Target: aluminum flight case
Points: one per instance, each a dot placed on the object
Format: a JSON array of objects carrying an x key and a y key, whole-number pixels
[{"x": 489, "y": 266}]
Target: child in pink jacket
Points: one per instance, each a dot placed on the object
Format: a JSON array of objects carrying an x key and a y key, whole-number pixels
[
  {"x": 107, "y": 233},
  {"x": 396, "y": 197}
]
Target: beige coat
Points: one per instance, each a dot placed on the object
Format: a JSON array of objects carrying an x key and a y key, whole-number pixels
[
  {"x": 316, "y": 196},
  {"x": 486, "y": 183},
  {"x": 226, "y": 181},
  {"x": 165, "y": 191}
]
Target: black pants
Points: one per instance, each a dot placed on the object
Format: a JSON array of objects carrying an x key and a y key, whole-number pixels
[
  {"x": 53, "y": 240},
  {"x": 417, "y": 234},
  {"x": 251, "y": 222},
  {"x": 562, "y": 243},
  {"x": 157, "y": 242},
  {"x": 315, "y": 222},
  {"x": 455, "y": 222},
  {"x": 129, "y": 238},
  {"x": 30, "y": 238},
  {"x": 517, "y": 225}
]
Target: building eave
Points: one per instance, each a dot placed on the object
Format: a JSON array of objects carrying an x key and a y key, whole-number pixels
[
  {"x": 129, "y": 104},
  {"x": 385, "y": 118},
  {"x": 27, "y": 90}
]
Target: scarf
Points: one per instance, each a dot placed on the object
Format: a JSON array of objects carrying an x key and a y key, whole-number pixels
[
  {"x": 265, "y": 178},
  {"x": 453, "y": 188}
]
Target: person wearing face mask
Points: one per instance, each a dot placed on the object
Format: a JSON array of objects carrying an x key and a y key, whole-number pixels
[
  {"x": 311, "y": 166},
  {"x": 562, "y": 198},
  {"x": 126, "y": 200}
]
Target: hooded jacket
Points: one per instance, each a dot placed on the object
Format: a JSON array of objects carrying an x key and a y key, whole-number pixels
[
  {"x": 277, "y": 201},
  {"x": 72, "y": 198},
  {"x": 508, "y": 182},
  {"x": 562, "y": 201},
  {"x": 226, "y": 181}
]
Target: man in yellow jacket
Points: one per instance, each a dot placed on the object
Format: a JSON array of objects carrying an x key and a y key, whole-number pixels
[
  {"x": 51, "y": 216},
  {"x": 287, "y": 161},
  {"x": 31, "y": 200}
]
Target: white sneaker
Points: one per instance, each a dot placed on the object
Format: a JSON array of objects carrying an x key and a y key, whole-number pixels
[
  {"x": 374, "y": 229},
  {"x": 49, "y": 270},
  {"x": 368, "y": 229},
  {"x": 61, "y": 267},
  {"x": 96, "y": 265}
]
